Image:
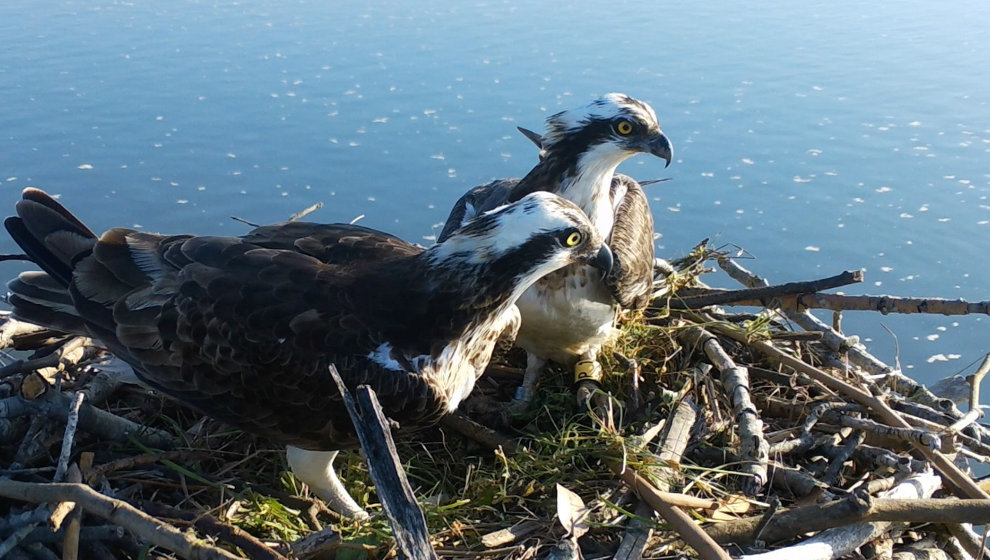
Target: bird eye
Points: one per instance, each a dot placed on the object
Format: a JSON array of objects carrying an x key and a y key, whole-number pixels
[
  {"x": 624, "y": 128},
  {"x": 573, "y": 239}
]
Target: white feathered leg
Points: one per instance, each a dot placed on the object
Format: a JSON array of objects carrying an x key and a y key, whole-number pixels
[
  {"x": 315, "y": 468},
  {"x": 524, "y": 394}
]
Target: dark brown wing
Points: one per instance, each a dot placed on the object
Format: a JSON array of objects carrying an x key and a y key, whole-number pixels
[
  {"x": 501, "y": 191},
  {"x": 243, "y": 329},
  {"x": 332, "y": 243},
  {"x": 632, "y": 245},
  {"x": 246, "y": 333},
  {"x": 478, "y": 201}
]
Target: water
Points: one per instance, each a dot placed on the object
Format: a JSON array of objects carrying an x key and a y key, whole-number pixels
[{"x": 817, "y": 138}]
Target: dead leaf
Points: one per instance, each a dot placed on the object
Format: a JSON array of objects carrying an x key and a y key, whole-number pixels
[{"x": 571, "y": 512}]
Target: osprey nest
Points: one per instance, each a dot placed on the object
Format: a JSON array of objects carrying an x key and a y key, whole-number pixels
[{"x": 727, "y": 424}]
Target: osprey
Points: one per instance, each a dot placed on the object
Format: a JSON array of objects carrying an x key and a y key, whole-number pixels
[
  {"x": 245, "y": 328},
  {"x": 569, "y": 314}
]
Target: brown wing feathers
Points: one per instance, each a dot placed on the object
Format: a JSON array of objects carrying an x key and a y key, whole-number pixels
[
  {"x": 227, "y": 325},
  {"x": 332, "y": 244},
  {"x": 50, "y": 235},
  {"x": 632, "y": 245},
  {"x": 41, "y": 299}
]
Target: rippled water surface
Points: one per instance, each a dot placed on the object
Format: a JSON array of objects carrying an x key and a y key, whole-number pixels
[{"x": 817, "y": 139}]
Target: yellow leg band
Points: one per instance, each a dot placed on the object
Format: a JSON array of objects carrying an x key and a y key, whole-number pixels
[{"x": 587, "y": 369}]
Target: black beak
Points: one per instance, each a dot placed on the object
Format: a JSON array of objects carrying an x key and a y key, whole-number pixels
[
  {"x": 602, "y": 260},
  {"x": 661, "y": 147}
]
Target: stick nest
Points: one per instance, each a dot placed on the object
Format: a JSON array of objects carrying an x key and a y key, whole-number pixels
[{"x": 694, "y": 414}]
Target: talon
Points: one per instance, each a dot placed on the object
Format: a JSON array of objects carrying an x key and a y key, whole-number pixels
[{"x": 584, "y": 393}]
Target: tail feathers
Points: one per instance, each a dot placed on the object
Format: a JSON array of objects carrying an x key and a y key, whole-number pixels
[
  {"x": 122, "y": 252},
  {"x": 40, "y": 299},
  {"x": 41, "y": 197},
  {"x": 49, "y": 234}
]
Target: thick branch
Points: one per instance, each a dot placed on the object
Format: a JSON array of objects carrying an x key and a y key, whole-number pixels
[
  {"x": 853, "y": 509},
  {"x": 478, "y": 432},
  {"x": 975, "y": 412},
  {"x": 676, "y": 435},
  {"x": 913, "y": 435},
  {"x": 930, "y": 510},
  {"x": 683, "y": 525},
  {"x": 765, "y": 294},
  {"x": 118, "y": 512},
  {"x": 406, "y": 519},
  {"x": 840, "y": 541},
  {"x": 889, "y": 304},
  {"x": 12, "y": 331},
  {"x": 55, "y": 405},
  {"x": 835, "y": 302},
  {"x": 209, "y": 525},
  {"x": 787, "y": 524},
  {"x": 753, "y": 446}
]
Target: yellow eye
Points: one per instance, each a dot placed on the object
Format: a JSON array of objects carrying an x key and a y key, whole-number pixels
[
  {"x": 624, "y": 128},
  {"x": 573, "y": 239}
]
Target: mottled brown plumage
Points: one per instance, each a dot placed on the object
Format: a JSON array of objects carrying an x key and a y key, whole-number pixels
[{"x": 244, "y": 329}]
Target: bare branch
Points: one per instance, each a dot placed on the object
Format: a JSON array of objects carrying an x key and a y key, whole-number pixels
[
  {"x": 753, "y": 447},
  {"x": 116, "y": 511},
  {"x": 840, "y": 541},
  {"x": 696, "y": 538},
  {"x": 763, "y": 295},
  {"x": 72, "y": 420},
  {"x": 404, "y": 515}
]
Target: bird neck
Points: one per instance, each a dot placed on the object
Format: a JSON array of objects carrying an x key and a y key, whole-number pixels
[
  {"x": 589, "y": 187},
  {"x": 471, "y": 281},
  {"x": 462, "y": 308},
  {"x": 585, "y": 179},
  {"x": 471, "y": 276}
]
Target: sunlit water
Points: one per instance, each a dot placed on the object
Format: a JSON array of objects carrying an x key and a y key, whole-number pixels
[{"x": 817, "y": 139}]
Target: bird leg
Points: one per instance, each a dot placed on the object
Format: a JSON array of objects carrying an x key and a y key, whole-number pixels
[
  {"x": 315, "y": 468},
  {"x": 587, "y": 379},
  {"x": 524, "y": 394}
]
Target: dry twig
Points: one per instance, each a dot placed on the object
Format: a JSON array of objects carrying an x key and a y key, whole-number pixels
[
  {"x": 689, "y": 532},
  {"x": 118, "y": 512}
]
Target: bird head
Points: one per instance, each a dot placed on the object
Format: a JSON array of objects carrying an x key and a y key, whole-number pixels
[
  {"x": 523, "y": 241},
  {"x": 612, "y": 127}
]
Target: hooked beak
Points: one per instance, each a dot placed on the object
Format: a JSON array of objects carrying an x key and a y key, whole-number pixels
[
  {"x": 660, "y": 146},
  {"x": 602, "y": 260}
]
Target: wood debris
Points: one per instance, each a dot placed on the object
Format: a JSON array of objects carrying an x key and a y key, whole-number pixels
[{"x": 733, "y": 424}]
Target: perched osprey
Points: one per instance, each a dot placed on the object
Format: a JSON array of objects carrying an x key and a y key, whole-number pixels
[
  {"x": 569, "y": 314},
  {"x": 244, "y": 329}
]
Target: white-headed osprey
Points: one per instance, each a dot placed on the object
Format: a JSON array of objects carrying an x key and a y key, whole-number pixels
[
  {"x": 569, "y": 314},
  {"x": 244, "y": 329}
]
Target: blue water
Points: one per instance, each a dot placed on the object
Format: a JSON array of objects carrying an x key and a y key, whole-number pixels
[{"x": 817, "y": 138}]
